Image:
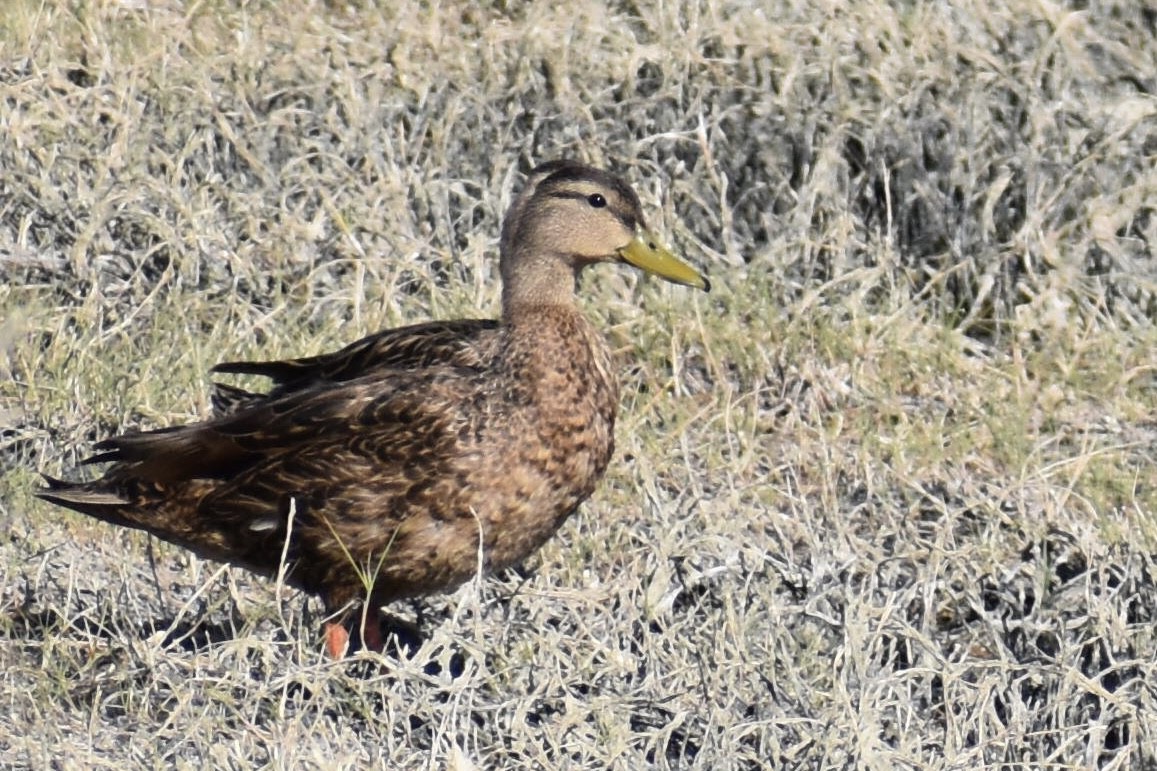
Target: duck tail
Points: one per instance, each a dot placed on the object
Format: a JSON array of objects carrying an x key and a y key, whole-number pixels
[{"x": 91, "y": 498}]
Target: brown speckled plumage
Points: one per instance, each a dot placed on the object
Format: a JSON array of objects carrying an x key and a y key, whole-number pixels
[{"x": 389, "y": 468}]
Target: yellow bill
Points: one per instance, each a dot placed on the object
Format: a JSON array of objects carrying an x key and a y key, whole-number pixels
[{"x": 648, "y": 254}]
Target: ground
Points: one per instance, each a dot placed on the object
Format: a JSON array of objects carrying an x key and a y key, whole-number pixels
[{"x": 884, "y": 499}]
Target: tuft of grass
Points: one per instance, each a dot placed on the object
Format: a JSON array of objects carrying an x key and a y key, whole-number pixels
[{"x": 885, "y": 498}]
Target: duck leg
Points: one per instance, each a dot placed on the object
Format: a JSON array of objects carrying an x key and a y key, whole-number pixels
[
  {"x": 339, "y": 641},
  {"x": 372, "y": 629}
]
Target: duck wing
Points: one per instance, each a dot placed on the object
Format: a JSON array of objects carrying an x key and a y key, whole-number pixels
[
  {"x": 341, "y": 467},
  {"x": 459, "y": 343},
  {"x": 410, "y": 347},
  {"x": 277, "y": 424}
]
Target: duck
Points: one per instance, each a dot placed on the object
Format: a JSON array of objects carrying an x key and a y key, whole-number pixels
[{"x": 416, "y": 458}]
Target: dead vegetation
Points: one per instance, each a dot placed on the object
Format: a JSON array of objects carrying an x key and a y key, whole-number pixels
[{"x": 884, "y": 499}]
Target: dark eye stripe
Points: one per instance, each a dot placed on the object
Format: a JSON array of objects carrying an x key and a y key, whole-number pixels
[{"x": 628, "y": 221}]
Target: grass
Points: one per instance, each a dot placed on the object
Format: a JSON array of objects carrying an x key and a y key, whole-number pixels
[{"x": 884, "y": 499}]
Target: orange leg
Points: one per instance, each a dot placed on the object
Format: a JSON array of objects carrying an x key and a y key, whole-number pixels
[
  {"x": 339, "y": 642},
  {"x": 337, "y": 639}
]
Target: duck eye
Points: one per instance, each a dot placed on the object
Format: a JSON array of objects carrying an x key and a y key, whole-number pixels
[{"x": 596, "y": 200}]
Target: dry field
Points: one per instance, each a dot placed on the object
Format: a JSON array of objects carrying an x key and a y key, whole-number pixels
[{"x": 885, "y": 499}]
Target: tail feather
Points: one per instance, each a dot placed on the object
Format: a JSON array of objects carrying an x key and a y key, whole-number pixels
[
  {"x": 169, "y": 455},
  {"x": 228, "y": 399},
  {"x": 84, "y": 497},
  {"x": 178, "y": 523},
  {"x": 277, "y": 371},
  {"x": 103, "y": 457}
]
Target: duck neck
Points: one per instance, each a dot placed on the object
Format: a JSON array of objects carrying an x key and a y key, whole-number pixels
[
  {"x": 540, "y": 281},
  {"x": 556, "y": 356}
]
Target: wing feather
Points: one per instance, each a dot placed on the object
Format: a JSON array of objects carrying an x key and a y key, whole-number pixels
[{"x": 415, "y": 346}]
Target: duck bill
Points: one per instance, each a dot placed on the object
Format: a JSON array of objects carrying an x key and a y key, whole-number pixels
[{"x": 646, "y": 253}]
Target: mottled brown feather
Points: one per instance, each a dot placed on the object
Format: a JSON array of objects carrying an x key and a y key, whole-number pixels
[{"x": 463, "y": 342}]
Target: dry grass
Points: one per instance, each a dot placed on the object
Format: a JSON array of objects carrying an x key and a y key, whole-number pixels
[{"x": 884, "y": 499}]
